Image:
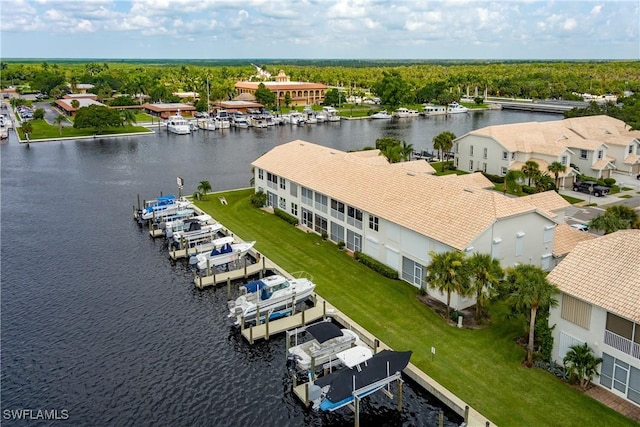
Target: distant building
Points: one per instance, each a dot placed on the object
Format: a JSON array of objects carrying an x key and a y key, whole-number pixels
[
  {"x": 163, "y": 110},
  {"x": 66, "y": 104},
  {"x": 237, "y": 105},
  {"x": 301, "y": 93}
]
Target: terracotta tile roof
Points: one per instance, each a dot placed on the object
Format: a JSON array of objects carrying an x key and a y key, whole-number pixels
[
  {"x": 447, "y": 210},
  {"x": 416, "y": 166},
  {"x": 548, "y": 201},
  {"x": 605, "y": 272},
  {"x": 632, "y": 159},
  {"x": 476, "y": 180},
  {"x": 566, "y": 238},
  {"x": 554, "y": 137},
  {"x": 607, "y": 162}
]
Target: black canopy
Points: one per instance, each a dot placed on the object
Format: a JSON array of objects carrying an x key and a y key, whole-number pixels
[{"x": 324, "y": 331}]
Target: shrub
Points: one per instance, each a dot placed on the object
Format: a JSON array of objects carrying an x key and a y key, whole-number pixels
[
  {"x": 282, "y": 214},
  {"x": 375, "y": 265},
  {"x": 324, "y": 235},
  {"x": 259, "y": 199},
  {"x": 494, "y": 178},
  {"x": 528, "y": 189},
  {"x": 340, "y": 244},
  {"x": 455, "y": 314},
  {"x": 609, "y": 181}
]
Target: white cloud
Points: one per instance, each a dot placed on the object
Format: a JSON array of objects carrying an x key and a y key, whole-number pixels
[{"x": 569, "y": 24}]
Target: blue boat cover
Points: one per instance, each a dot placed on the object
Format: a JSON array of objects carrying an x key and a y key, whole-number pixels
[
  {"x": 255, "y": 286},
  {"x": 226, "y": 249},
  {"x": 341, "y": 382}
]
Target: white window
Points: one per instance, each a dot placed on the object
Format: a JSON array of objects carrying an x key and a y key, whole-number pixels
[
  {"x": 546, "y": 262},
  {"x": 495, "y": 248},
  {"x": 373, "y": 222},
  {"x": 260, "y": 174},
  {"x": 471, "y": 150},
  {"x": 294, "y": 209},
  {"x": 470, "y": 165},
  {"x": 503, "y": 171},
  {"x": 513, "y": 156},
  {"x": 564, "y": 160},
  {"x": 583, "y": 154},
  {"x": 548, "y": 233},
  {"x": 599, "y": 154},
  {"x": 484, "y": 153},
  {"x": 282, "y": 203},
  {"x": 283, "y": 183},
  {"x": 505, "y": 155},
  {"x": 630, "y": 151}
]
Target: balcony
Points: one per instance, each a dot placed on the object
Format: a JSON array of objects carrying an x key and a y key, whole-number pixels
[{"x": 621, "y": 343}]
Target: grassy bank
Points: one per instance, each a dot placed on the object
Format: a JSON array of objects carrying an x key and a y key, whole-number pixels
[
  {"x": 43, "y": 130},
  {"x": 483, "y": 367}
]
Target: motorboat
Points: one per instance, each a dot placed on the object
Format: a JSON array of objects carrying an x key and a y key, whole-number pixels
[
  {"x": 270, "y": 297},
  {"x": 172, "y": 226},
  {"x": 240, "y": 120},
  {"x": 294, "y": 118},
  {"x": 381, "y": 115},
  {"x": 331, "y": 113},
  {"x": 327, "y": 340},
  {"x": 434, "y": 110},
  {"x": 195, "y": 235},
  {"x": 221, "y": 255},
  {"x": 208, "y": 245},
  {"x": 455, "y": 108},
  {"x": 178, "y": 124},
  {"x": 401, "y": 113},
  {"x": 340, "y": 388},
  {"x": 221, "y": 120},
  {"x": 207, "y": 123},
  {"x": 162, "y": 207}
]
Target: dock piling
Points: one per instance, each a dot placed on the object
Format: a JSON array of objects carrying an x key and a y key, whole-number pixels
[
  {"x": 400, "y": 384},
  {"x": 228, "y": 289},
  {"x": 466, "y": 414},
  {"x": 441, "y": 419}
]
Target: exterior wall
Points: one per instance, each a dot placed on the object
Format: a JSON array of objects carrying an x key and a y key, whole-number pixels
[
  {"x": 407, "y": 251},
  {"x": 494, "y": 159},
  {"x": 566, "y": 331}
]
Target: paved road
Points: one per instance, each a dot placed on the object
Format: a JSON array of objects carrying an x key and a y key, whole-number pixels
[{"x": 50, "y": 113}]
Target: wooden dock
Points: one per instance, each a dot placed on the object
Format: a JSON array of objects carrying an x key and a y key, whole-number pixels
[
  {"x": 320, "y": 310},
  {"x": 248, "y": 270}
]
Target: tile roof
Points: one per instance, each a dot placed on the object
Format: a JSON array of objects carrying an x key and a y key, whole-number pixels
[
  {"x": 606, "y": 163},
  {"x": 547, "y": 200},
  {"x": 476, "y": 179},
  {"x": 447, "y": 210},
  {"x": 632, "y": 159},
  {"x": 554, "y": 137},
  {"x": 566, "y": 238},
  {"x": 605, "y": 272}
]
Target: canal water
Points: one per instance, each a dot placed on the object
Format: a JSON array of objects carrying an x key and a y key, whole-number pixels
[{"x": 99, "y": 325}]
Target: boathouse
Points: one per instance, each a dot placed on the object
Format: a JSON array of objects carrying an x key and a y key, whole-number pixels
[
  {"x": 398, "y": 213},
  {"x": 164, "y": 110}
]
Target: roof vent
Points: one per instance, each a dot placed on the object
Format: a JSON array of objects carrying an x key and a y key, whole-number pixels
[
  {"x": 468, "y": 190},
  {"x": 411, "y": 173}
]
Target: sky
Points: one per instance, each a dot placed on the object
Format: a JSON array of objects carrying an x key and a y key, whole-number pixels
[{"x": 320, "y": 29}]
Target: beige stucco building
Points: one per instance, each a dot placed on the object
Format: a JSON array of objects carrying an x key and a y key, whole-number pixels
[
  {"x": 301, "y": 93},
  {"x": 596, "y": 145},
  {"x": 398, "y": 213}
]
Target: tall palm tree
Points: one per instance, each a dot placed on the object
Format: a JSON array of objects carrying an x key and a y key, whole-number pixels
[
  {"x": 556, "y": 168},
  {"x": 581, "y": 362},
  {"x": 485, "y": 273},
  {"x": 128, "y": 116},
  {"x": 448, "y": 273},
  {"x": 393, "y": 153},
  {"x": 614, "y": 218},
  {"x": 204, "y": 187},
  {"x": 512, "y": 181},
  {"x": 59, "y": 120},
  {"x": 531, "y": 170},
  {"x": 443, "y": 142},
  {"x": 527, "y": 291},
  {"x": 406, "y": 151}
]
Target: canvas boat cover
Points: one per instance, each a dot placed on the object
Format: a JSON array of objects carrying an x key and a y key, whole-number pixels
[
  {"x": 255, "y": 286},
  {"x": 341, "y": 381},
  {"x": 324, "y": 331}
]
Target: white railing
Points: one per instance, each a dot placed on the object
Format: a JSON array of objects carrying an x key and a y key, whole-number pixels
[{"x": 621, "y": 343}]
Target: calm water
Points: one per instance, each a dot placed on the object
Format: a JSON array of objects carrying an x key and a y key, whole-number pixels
[{"x": 98, "y": 322}]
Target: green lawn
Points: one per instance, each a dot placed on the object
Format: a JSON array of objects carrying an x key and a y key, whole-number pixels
[
  {"x": 43, "y": 130},
  {"x": 483, "y": 367}
]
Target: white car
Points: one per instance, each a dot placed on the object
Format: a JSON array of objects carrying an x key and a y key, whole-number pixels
[{"x": 581, "y": 227}]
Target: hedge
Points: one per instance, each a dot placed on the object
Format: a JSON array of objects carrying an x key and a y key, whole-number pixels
[
  {"x": 282, "y": 214},
  {"x": 375, "y": 265}
]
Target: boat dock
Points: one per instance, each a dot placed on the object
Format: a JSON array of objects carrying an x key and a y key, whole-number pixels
[{"x": 259, "y": 268}]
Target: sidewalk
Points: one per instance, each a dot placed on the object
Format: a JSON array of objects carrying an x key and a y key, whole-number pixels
[{"x": 622, "y": 180}]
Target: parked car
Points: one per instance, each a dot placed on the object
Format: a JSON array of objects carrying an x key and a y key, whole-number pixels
[
  {"x": 581, "y": 227},
  {"x": 590, "y": 187}
]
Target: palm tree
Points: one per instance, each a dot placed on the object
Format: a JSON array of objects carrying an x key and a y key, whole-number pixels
[
  {"x": 512, "y": 181},
  {"x": 128, "y": 116},
  {"x": 406, "y": 151},
  {"x": 581, "y": 362},
  {"x": 531, "y": 169},
  {"x": 443, "y": 142},
  {"x": 556, "y": 168},
  {"x": 527, "y": 290},
  {"x": 393, "y": 153},
  {"x": 27, "y": 128},
  {"x": 485, "y": 273},
  {"x": 614, "y": 218},
  {"x": 204, "y": 187},
  {"x": 58, "y": 120},
  {"x": 448, "y": 273}
]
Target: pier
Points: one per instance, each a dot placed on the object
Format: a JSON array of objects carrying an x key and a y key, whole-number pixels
[{"x": 543, "y": 106}]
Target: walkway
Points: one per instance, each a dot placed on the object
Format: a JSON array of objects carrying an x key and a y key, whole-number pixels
[{"x": 615, "y": 402}]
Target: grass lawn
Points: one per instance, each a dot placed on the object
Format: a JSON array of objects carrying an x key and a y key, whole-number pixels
[
  {"x": 43, "y": 130},
  {"x": 572, "y": 200},
  {"x": 483, "y": 367}
]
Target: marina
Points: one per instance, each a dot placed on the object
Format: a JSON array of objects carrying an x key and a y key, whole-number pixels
[{"x": 145, "y": 342}]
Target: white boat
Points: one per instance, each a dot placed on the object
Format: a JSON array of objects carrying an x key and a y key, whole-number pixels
[
  {"x": 340, "y": 388},
  {"x": 332, "y": 114},
  {"x": 321, "y": 117},
  {"x": 240, "y": 120},
  {"x": 221, "y": 120},
  {"x": 381, "y": 115},
  {"x": 327, "y": 341},
  {"x": 196, "y": 235},
  {"x": 207, "y": 124},
  {"x": 455, "y": 108},
  {"x": 294, "y": 118},
  {"x": 172, "y": 226},
  {"x": 163, "y": 209},
  {"x": 272, "y": 297},
  {"x": 178, "y": 124},
  {"x": 222, "y": 255},
  {"x": 208, "y": 246},
  {"x": 401, "y": 113},
  {"x": 434, "y": 110}
]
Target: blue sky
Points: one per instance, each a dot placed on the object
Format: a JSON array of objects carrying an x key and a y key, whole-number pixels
[{"x": 301, "y": 29}]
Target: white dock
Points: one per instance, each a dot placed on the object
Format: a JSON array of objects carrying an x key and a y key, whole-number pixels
[{"x": 259, "y": 268}]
